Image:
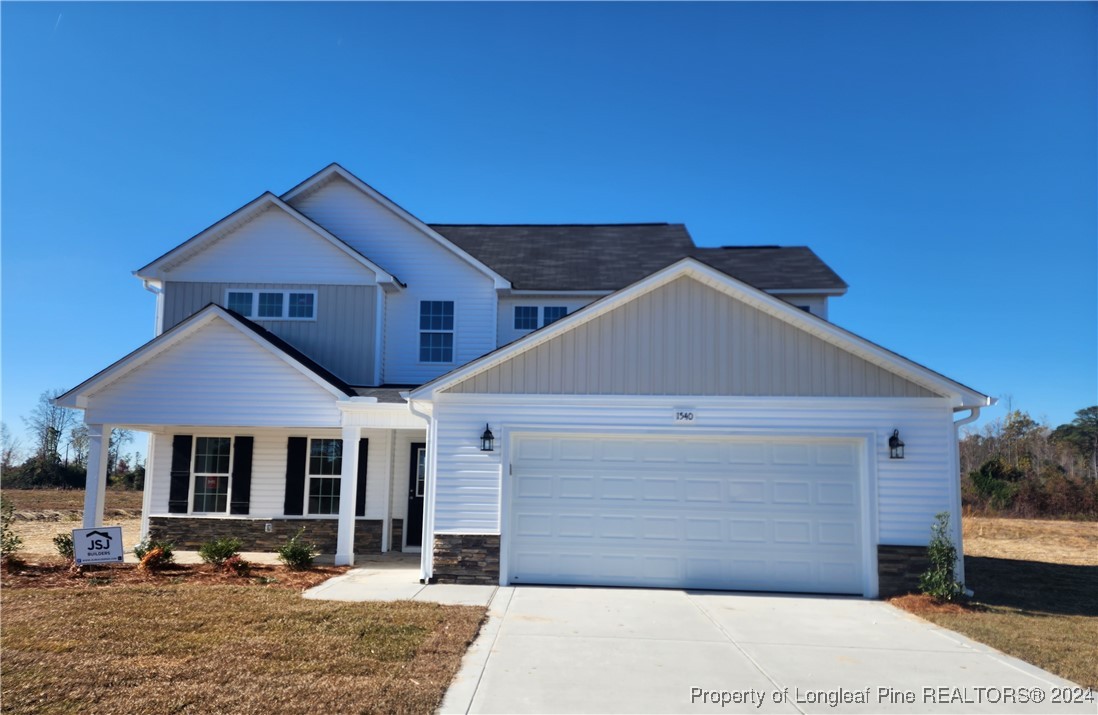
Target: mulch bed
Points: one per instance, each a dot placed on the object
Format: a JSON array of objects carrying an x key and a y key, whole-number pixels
[{"x": 58, "y": 574}]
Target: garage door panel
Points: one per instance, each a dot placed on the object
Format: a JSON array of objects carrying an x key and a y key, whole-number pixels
[{"x": 668, "y": 511}]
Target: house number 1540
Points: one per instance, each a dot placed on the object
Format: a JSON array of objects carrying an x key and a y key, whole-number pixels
[{"x": 684, "y": 416}]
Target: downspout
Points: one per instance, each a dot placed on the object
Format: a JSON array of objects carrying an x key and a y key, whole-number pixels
[
  {"x": 958, "y": 531},
  {"x": 427, "y": 551},
  {"x": 158, "y": 322}
]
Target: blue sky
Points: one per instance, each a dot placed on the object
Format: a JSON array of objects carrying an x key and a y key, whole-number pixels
[{"x": 940, "y": 156}]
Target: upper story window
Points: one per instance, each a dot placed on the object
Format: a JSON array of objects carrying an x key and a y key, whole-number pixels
[
  {"x": 436, "y": 331},
  {"x": 526, "y": 317},
  {"x": 273, "y": 304},
  {"x": 552, "y": 313}
]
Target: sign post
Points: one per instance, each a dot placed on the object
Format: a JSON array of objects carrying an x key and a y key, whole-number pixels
[{"x": 101, "y": 545}]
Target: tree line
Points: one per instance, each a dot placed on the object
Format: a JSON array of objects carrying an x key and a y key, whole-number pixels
[
  {"x": 1016, "y": 466},
  {"x": 57, "y": 456}
]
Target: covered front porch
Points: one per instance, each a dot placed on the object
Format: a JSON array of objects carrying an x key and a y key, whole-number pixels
[{"x": 250, "y": 439}]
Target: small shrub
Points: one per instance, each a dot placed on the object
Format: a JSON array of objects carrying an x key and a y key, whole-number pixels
[
  {"x": 167, "y": 553},
  {"x": 218, "y": 551},
  {"x": 235, "y": 564},
  {"x": 155, "y": 559},
  {"x": 297, "y": 553},
  {"x": 10, "y": 543},
  {"x": 63, "y": 542},
  {"x": 940, "y": 580}
]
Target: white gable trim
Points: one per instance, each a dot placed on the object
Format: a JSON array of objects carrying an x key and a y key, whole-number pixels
[
  {"x": 962, "y": 396},
  {"x": 77, "y": 397},
  {"x": 224, "y": 228},
  {"x": 331, "y": 170}
]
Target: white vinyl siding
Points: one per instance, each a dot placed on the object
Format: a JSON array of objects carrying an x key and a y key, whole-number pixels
[
  {"x": 507, "y": 330},
  {"x": 340, "y": 337},
  {"x": 273, "y": 247},
  {"x": 430, "y": 271},
  {"x": 909, "y": 491},
  {"x": 216, "y": 376},
  {"x": 686, "y": 338},
  {"x": 268, "y": 486}
]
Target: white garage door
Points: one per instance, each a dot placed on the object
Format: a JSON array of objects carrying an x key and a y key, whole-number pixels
[{"x": 720, "y": 513}]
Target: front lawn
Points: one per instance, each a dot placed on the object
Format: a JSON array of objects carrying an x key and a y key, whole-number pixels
[
  {"x": 176, "y": 644},
  {"x": 70, "y": 501},
  {"x": 1042, "y": 611}
]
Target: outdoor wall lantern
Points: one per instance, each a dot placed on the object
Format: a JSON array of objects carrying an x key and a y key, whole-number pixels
[
  {"x": 895, "y": 445},
  {"x": 487, "y": 440}
]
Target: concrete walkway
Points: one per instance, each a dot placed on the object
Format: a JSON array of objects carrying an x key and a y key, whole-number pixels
[
  {"x": 563, "y": 650},
  {"x": 396, "y": 578}
]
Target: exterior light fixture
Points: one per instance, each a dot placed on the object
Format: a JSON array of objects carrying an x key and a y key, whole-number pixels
[
  {"x": 895, "y": 445},
  {"x": 487, "y": 440}
]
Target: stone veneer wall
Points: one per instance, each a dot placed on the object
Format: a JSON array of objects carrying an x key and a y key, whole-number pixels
[
  {"x": 191, "y": 532},
  {"x": 396, "y": 536},
  {"x": 466, "y": 558},
  {"x": 899, "y": 569}
]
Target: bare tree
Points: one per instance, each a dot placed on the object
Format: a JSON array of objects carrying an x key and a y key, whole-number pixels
[
  {"x": 78, "y": 443},
  {"x": 10, "y": 448},
  {"x": 48, "y": 424},
  {"x": 119, "y": 439}
]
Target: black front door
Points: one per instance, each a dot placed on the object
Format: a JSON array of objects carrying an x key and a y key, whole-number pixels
[{"x": 417, "y": 482}]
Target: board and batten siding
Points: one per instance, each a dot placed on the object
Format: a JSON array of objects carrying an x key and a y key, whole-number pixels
[
  {"x": 268, "y": 490},
  {"x": 341, "y": 338},
  {"x": 272, "y": 247},
  {"x": 215, "y": 376},
  {"x": 429, "y": 270},
  {"x": 685, "y": 338},
  {"x": 909, "y": 491}
]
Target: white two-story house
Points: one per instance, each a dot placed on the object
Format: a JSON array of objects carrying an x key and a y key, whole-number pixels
[{"x": 573, "y": 404}]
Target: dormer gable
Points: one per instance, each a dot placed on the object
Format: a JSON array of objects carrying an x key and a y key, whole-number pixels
[
  {"x": 267, "y": 241},
  {"x": 388, "y": 213}
]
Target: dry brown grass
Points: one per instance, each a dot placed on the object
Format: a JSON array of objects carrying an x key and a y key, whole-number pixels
[
  {"x": 70, "y": 501},
  {"x": 224, "y": 649},
  {"x": 38, "y": 535},
  {"x": 1058, "y": 542},
  {"x": 1035, "y": 583}
]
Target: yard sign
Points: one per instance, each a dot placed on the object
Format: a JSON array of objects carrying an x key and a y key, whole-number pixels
[{"x": 100, "y": 545}]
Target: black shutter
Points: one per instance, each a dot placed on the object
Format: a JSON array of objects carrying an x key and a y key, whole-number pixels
[
  {"x": 181, "y": 474},
  {"x": 296, "y": 455},
  {"x": 242, "y": 475},
  {"x": 360, "y": 490}
]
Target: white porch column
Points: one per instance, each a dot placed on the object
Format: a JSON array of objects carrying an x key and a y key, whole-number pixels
[
  {"x": 95, "y": 486},
  {"x": 345, "y": 541}
]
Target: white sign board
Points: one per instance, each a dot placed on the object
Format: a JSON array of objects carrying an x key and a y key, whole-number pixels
[{"x": 101, "y": 545}]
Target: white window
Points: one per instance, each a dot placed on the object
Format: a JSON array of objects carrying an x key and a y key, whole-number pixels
[
  {"x": 272, "y": 304},
  {"x": 211, "y": 467},
  {"x": 325, "y": 475},
  {"x": 552, "y": 313},
  {"x": 436, "y": 331}
]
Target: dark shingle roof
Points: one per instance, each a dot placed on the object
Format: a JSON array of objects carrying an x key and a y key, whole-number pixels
[{"x": 611, "y": 256}]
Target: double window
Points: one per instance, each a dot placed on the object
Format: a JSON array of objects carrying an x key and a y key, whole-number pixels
[
  {"x": 436, "y": 331},
  {"x": 273, "y": 304},
  {"x": 324, "y": 474},
  {"x": 211, "y": 468},
  {"x": 526, "y": 316}
]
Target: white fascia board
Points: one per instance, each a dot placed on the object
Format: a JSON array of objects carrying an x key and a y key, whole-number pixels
[
  {"x": 77, "y": 397},
  {"x": 499, "y": 281},
  {"x": 806, "y": 291},
  {"x": 552, "y": 293},
  {"x": 963, "y": 396},
  {"x": 200, "y": 241}
]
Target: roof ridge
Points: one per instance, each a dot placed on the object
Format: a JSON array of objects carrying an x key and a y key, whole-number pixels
[{"x": 553, "y": 225}]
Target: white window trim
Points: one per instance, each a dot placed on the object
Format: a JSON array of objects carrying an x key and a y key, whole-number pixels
[
  {"x": 309, "y": 476},
  {"x": 194, "y": 474},
  {"x": 421, "y": 331},
  {"x": 285, "y": 303}
]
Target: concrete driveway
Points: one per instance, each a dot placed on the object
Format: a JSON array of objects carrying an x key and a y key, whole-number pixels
[{"x": 560, "y": 649}]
